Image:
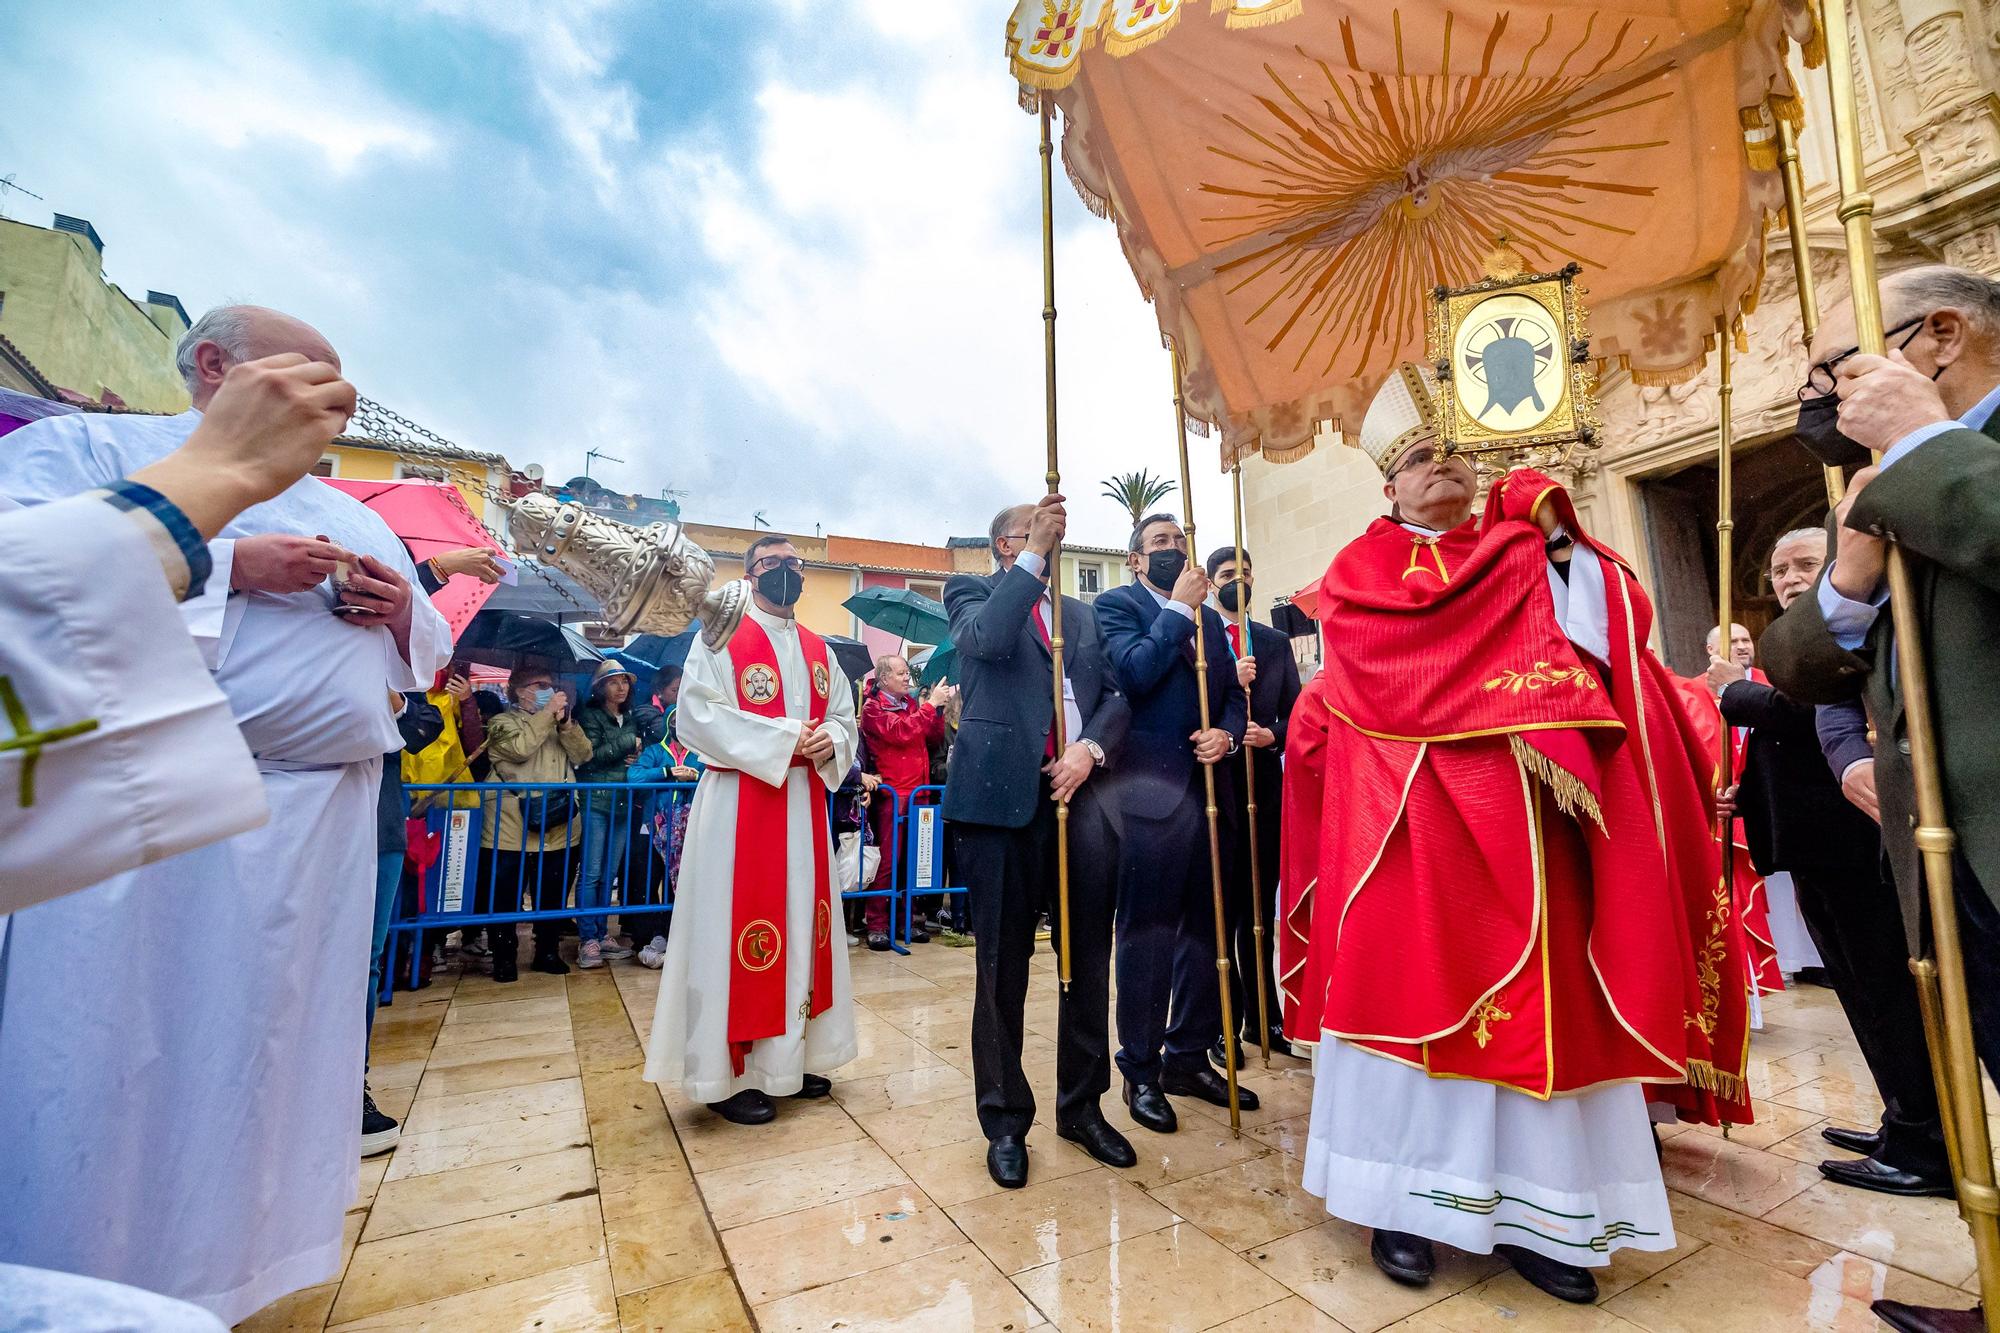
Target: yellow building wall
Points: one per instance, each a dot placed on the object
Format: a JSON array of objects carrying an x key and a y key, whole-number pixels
[
  {"x": 363, "y": 464},
  {"x": 79, "y": 330}
]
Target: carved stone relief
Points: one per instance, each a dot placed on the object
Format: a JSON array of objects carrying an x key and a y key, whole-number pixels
[{"x": 1978, "y": 250}]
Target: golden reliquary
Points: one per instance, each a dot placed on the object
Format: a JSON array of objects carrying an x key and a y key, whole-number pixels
[{"x": 1516, "y": 384}]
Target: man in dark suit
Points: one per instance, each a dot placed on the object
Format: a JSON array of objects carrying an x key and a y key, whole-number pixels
[
  {"x": 1796, "y": 819},
  {"x": 1006, "y": 779},
  {"x": 1169, "y": 1010},
  {"x": 1930, "y": 409},
  {"x": 1271, "y": 674}
]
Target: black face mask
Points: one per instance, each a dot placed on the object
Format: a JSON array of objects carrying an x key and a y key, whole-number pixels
[
  {"x": 781, "y": 586},
  {"x": 1819, "y": 431},
  {"x": 1229, "y": 594},
  {"x": 1163, "y": 567}
]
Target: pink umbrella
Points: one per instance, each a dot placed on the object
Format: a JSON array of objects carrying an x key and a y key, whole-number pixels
[{"x": 431, "y": 517}]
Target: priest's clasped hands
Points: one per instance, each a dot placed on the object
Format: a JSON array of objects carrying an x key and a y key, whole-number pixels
[{"x": 815, "y": 745}]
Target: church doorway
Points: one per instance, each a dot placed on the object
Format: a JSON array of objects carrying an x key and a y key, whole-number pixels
[{"x": 1779, "y": 486}]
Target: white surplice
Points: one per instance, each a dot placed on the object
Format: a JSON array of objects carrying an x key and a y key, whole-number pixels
[
  {"x": 181, "y": 1047},
  {"x": 89, "y": 633},
  {"x": 690, "y": 1042},
  {"x": 1476, "y": 1165}
]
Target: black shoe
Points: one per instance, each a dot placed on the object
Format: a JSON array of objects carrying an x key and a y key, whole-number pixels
[
  {"x": 1872, "y": 1173},
  {"x": 378, "y": 1132},
  {"x": 1565, "y": 1282},
  {"x": 814, "y": 1086},
  {"x": 1407, "y": 1259},
  {"x": 748, "y": 1107},
  {"x": 1221, "y": 1056},
  {"x": 1812, "y": 976},
  {"x": 1150, "y": 1107},
  {"x": 1929, "y": 1318},
  {"x": 878, "y": 941},
  {"x": 505, "y": 968},
  {"x": 550, "y": 963},
  {"x": 1205, "y": 1085},
  {"x": 1865, "y": 1142},
  {"x": 918, "y": 935},
  {"x": 1007, "y": 1161},
  {"x": 1100, "y": 1140}
]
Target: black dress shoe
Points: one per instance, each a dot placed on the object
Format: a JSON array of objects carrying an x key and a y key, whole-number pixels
[
  {"x": 1929, "y": 1318},
  {"x": 1007, "y": 1161},
  {"x": 1206, "y": 1085},
  {"x": 748, "y": 1107},
  {"x": 814, "y": 1086},
  {"x": 1407, "y": 1259},
  {"x": 1872, "y": 1173},
  {"x": 1100, "y": 1140},
  {"x": 505, "y": 969},
  {"x": 550, "y": 963},
  {"x": 1150, "y": 1107},
  {"x": 1565, "y": 1282},
  {"x": 1865, "y": 1142}
]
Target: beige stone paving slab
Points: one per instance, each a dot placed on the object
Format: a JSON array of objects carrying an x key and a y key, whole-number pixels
[
  {"x": 1294, "y": 1314},
  {"x": 491, "y": 1141},
  {"x": 955, "y": 1289},
  {"x": 418, "y": 1203},
  {"x": 1720, "y": 1291},
  {"x": 577, "y": 1299},
  {"x": 1922, "y": 1236},
  {"x": 372, "y": 1171},
  {"x": 956, "y": 1172},
  {"x": 670, "y": 1243},
  {"x": 777, "y": 1185},
  {"x": 1246, "y": 1205},
  {"x": 433, "y": 1265},
  {"x": 1057, "y": 1218},
  {"x": 547, "y": 1007},
  {"x": 706, "y": 1303},
  {"x": 544, "y": 1044},
  {"x": 1176, "y": 1278},
  {"x": 712, "y": 1143},
  {"x": 1741, "y": 1179},
  {"x": 301, "y": 1312},
  {"x": 911, "y": 1087},
  {"x": 454, "y": 1111},
  {"x": 782, "y": 1256},
  {"x": 1329, "y": 1266},
  {"x": 505, "y": 1072}
]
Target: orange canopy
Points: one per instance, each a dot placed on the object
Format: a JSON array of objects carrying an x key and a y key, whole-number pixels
[{"x": 1290, "y": 178}]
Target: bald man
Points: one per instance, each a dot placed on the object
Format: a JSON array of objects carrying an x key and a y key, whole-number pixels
[{"x": 188, "y": 1119}]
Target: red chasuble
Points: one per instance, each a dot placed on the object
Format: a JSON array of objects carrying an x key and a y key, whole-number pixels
[
  {"x": 1515, "y": 878},
  {"x": 763, "y": 837},
  {"x": 1753, "y": 905}
]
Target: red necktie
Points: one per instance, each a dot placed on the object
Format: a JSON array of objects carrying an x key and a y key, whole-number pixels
[
  {"x": 1235, "y": 636},
  {"x": 1049, "y": 750}
]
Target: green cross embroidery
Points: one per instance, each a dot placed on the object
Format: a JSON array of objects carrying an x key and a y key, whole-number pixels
[{"x": 29, "y": 740}]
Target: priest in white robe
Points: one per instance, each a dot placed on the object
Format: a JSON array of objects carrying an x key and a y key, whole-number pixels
[
  {"x": 188, "y": 1119},
  {"x": 786, "y": 743}
]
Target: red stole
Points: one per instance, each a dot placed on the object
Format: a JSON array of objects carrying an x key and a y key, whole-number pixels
[{"x": 763, "y": 841}]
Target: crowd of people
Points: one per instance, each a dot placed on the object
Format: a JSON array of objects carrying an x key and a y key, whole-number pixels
[{"x": 1504, "y": 887}]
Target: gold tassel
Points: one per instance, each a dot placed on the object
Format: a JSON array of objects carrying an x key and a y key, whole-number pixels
[
  {"x": 1572, "y": 797},
  {"x": 1289, "y": 454},
  {"x": 1702, "y": 1074},
  {"x": 1098, "y": 205},
  {"x": 1259, "y": 18},
  {"x": 1663, "y": 379},
  {"x": 1789, "y": 108},
  {"x": 1119, "y": 45}
]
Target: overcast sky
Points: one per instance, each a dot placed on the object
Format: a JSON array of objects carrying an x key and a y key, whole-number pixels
[{"x": 783, "y": 255}]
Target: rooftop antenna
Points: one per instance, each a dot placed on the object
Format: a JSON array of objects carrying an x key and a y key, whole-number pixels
[
  {"x": 595, "y": 454},
  {"x": 757, "y": 520},
  {"x": 6, "y": 184}
]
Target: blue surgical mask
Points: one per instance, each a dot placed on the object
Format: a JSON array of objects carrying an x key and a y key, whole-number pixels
[{"x": 542, "y": 698}]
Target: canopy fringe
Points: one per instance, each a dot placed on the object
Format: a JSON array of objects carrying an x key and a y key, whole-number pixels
[
  {"x": 1572, "y": 797},
  {"x": 1280, "y": 12},
  {"x": 1098, "y": 205},
  {"x": 1702, "y": 1074},
  {"x": 1118, "y": 45}
]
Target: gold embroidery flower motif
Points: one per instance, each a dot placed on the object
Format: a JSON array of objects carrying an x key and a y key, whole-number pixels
[{"x": 1540, "y": 675}]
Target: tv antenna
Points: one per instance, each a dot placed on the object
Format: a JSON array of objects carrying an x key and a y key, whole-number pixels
[
  {"x": 757, "y": 520},
  {"x": 6, "y": 184},
  {"x": 595, "y": 454}
]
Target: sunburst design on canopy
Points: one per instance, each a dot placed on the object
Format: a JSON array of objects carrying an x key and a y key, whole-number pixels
[{"x": 1355, "y": 181}]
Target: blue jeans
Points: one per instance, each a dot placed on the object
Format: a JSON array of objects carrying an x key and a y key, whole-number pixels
[
  {"x": 388, "y": 888},
  {"x": 604, "y": 837}
]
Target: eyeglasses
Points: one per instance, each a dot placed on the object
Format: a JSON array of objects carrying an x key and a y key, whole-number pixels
[
  {"x": 1419, "y": 457},
  {"x": 771, "y": 562},
  {"x": 1821, "y": 381},
  {"x": 1013, "y": 536}
]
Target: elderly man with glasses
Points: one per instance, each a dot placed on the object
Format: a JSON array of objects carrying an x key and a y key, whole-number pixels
[{"x": 1931, "y": 410}]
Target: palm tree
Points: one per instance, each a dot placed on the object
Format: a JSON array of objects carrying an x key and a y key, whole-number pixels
[{"x": 1137, "y": 492}]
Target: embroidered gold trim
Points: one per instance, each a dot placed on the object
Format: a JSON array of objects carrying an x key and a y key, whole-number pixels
[
  {"x": 1612, "y": 723},
  {"x": 1542, "y": 674},
  {"x": 1572, "y": 796},
  {"x": 1486, "y": 1015}
]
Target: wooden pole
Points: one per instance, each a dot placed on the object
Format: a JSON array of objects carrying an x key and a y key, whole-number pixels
[
  {"x": 1795, "y": 220},
  {"x": 1250, "y": 776},
  {"x": 1208, "y": 770},
  {"x": 1054, "y": 480},
  {"x": 1940, "y": 978}
]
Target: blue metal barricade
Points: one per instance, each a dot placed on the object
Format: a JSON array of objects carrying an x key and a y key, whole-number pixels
[
  {"x": 920, "y": 848},
  {"x": 616, "y": 862}
]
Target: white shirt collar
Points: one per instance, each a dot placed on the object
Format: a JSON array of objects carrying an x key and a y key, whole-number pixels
[{"x": 1982, "y": 411}]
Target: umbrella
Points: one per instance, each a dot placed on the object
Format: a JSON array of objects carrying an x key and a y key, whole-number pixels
[
  {"x": 936, "y": 665},
  {"x": 1288, "y": 190},
  {"x": 508, "y": 639},
  {"x": 665, "y": 650},
  {"x": 899, "y": 611},
  {"x": 541, "y": 590},
  {"x": 431, "y": 517},
  {"x": 18, "y": 409},
  {"x": 853, "y": 655}
]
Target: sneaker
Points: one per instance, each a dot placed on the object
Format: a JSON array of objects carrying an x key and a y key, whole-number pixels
[
  {"x": 611, "y": 950},
  {"x": 469, "y": 947},
  {"x": 378, "y": 1132},
  {"x": 654, "y": 955},
  {"x": 590, "y": 955}
]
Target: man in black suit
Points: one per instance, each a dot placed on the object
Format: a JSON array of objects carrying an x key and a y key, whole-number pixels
[
  {"x": 1169, "y": 1010},
  {"x": 1795, "y": 818},
  {"x": 1271, "y": 674},
  {"x": 1000, "y": 800}
]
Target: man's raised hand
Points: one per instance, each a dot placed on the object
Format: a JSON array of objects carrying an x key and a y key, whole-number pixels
[
  {"x": 1191, "y": 588},
  {"x": 1047, "y": 525},
  {"x": 378, "y": 593},
  {"x": 281, "y": 562}
]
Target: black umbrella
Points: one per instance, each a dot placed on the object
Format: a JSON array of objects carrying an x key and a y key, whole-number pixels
[
  {"x": 543, "y": 591},
  {"x": 508, "y": 639},
  {"x": 853, "y": 655}
]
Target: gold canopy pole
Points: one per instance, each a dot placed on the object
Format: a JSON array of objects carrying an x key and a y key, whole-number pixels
[
  {"x": 1725, "y": 563},
  {"x": 1795, "y": 220},
  {"x": 1208, "y": 770},
  {"x": 1940, "y": 979},
  {"x": 1249, "y": 773},
  {"x": 1055, "y": 556}
]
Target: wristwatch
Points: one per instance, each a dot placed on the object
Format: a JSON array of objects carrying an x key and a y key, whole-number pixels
[{"x": 1096, "y": 750}]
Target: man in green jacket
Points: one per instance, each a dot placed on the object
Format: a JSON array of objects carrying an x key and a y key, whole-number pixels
[{"x": 1929, "y": 409}]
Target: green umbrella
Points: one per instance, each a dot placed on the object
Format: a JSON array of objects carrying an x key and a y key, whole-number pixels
[
  {"x": 936, "y": 665},
  {"x": 908, "y": 615}
]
